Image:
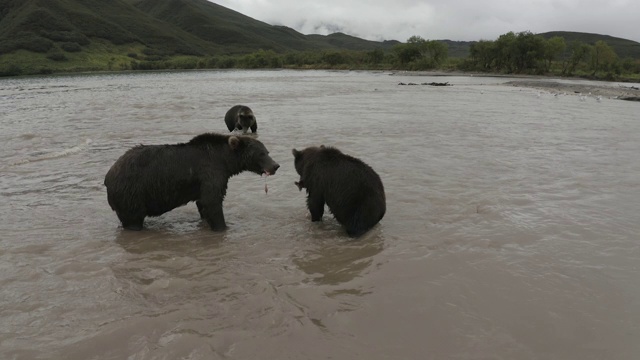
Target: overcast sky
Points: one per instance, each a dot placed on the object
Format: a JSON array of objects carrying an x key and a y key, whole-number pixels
[{"x": 445, "y": 19}]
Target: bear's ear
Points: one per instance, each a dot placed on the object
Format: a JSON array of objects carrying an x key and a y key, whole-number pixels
[
  {"x": 296, "y": 153},
  {"x": 234, "y": 142}
]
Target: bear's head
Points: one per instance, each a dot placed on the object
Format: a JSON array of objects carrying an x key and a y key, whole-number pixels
[
  {"x": 302, "y": 157},
  {"x": 253, "y": 155},
  {"x": 298, "y": 160},
  {"x": 245, "y": 119}
]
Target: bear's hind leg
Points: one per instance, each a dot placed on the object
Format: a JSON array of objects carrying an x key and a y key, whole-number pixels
[
  {"x": 358, "y": 224},
  {"x": 131, "y": 222},
  {"x": 315, "y": 203},
  {"x": 200, "y": 209},
  {"x": 355, "y": 232},
  {"x": 133, "y": 227}
]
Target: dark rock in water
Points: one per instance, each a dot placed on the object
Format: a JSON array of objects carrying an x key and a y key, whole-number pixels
[
  {"x": 630, "y": 98},
  {"x": 437, "y": 84},
  {"x": 431, "y": 83}
]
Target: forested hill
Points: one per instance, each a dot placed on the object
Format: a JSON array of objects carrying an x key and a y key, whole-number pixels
[
  {"x": 624, "y": 48},
  {"x": 51, "y": 36},
  {"x": 190, "y": 27}
]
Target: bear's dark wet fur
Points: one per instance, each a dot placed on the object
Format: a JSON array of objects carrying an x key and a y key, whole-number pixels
[
  {"x": 242, "y": 118},
  {"x": 351, "y": 189},
  {"x": 150, "y": 180}
]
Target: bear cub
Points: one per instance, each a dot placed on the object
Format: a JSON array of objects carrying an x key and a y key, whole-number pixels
[
  {"x": 150, "y": 180},
  {"x": 351, "y": 189},
  {"x": 241, "y": 117}
]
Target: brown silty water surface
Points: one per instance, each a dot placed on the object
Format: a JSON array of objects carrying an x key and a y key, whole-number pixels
[{"x": 511, "y": 231}]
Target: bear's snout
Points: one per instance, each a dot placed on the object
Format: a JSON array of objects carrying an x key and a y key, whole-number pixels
[
  {"x": 273, "y": 168},
  {"x": 269, "y": 167}
]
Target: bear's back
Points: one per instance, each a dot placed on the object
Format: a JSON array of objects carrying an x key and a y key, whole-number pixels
[{"x": 340, "y": 175}]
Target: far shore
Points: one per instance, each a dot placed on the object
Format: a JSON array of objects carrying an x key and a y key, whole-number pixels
[
  {"x": 555, "y": 85},
  {"x": 605, "y": 90}
]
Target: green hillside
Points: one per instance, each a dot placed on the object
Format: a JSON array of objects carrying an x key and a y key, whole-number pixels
[
  {"x": 623, "y": 48},
  {"x": 44, "y": 36},
  {"x": 458, "y": 49},
  {"x": 231, "y": 31},
  {"x": 344, "y": 41},
  {"x": 40, "y": 25},
  {"x": 40, "y": 36},
  {"x": 190, "y": 27}
]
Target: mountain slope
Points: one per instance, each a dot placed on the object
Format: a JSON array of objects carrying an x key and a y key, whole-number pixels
[
  {"x": 44, "y": 36},
  {"x": 26, "y": 23},
  {"x": 624, "y": 48},
  {"x": 218, "y": 25},
  {"x": 196, "y": 27}
]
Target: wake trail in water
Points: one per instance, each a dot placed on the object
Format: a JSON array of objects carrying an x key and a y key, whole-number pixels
[{"x": 54, "y": 155}]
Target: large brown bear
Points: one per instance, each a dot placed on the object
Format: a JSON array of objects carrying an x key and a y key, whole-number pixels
[
  {"x": 149, "y": 180},
  {"x": 241, "y": 117},
  {"x": 351, "y": 189}
]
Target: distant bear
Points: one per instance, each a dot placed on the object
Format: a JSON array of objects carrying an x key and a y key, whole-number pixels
[
  {"x": 150, "y": 180},
  {"x": 241, "y": 117},
  {"x": 352, "y": 189}
]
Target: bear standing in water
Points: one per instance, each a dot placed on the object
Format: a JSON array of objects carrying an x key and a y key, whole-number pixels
[
  {"x": 351, "y": 189},
  {"x": 241, "y": 117},
  {"x": 150, "y": 180}
]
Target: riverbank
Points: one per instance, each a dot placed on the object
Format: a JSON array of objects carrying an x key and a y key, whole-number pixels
[
  {"x": 578, "y": 86},
  {"x": 606, "y": 89}
]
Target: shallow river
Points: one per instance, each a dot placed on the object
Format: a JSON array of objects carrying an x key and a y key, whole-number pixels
[{"x": 512, "y": 228}]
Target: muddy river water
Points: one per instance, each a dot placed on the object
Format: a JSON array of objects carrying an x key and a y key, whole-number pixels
[{"x": 512, "y": 228}]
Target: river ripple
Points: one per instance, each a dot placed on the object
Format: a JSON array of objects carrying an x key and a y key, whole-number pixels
[{"x": 511, "y": 229}]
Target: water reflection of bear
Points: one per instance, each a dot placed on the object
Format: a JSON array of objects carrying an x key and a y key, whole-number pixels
[
  {"x": 178, "y": 241},
  {"x": 161, "y": 264},
  {"x": 333, "y": 263}
]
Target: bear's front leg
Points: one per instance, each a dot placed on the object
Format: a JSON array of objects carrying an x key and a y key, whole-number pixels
[
  {"x": 214, "y": 216},
  {"x": 315, "y": 203},
  {"x": 211, "y": 197}
]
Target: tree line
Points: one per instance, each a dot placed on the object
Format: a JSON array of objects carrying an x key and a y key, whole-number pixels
[
  {"x": 416, "y": 54},
  {"x": 510, "y": 53},
  {"x": 527, "y": 53}
]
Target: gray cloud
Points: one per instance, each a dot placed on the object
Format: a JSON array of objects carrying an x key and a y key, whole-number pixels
[{"x": 445, "y": 19}]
